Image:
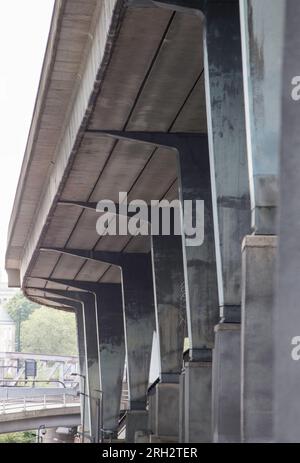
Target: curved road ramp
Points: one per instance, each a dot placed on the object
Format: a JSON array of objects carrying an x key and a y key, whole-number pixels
[{"x": 23, "y": 409}]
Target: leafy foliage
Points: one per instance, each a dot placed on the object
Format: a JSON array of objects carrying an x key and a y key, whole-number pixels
[
  {"x": 49, "y": 331},
  {"x": 18, "y": 438},
  {"x": 20, "y": 308}
]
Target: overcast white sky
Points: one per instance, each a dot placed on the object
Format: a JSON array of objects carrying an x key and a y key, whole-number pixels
[{"x": 24, "y": 27}]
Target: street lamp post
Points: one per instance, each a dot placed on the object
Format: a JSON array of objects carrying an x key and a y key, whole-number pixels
[
  {"x": 83, "y": 406},
  {"x": 100, "y": 416},
  {"x": 39, "y": 438}
]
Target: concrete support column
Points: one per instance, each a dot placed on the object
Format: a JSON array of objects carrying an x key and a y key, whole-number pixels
[
  {"x": 170, "y": 310},
  {"x": 231, "y": 201},
  {"x": 92, "y": 360},
  {"x": 139, "y": 321},
  {"x": 82, "y": 361},
  {"x": 111, "y": 353},
  {"x": 85, "y": 305},
  {"x": 201, "y": 294},
  {"x": 139, "y": 317},
  {"x": 258, "y": 261},
  {"x": 139, "y": 326},
  {"x": 197, "y": 406},
  {"x": 262, "y": 45},
  {"x": 170, "y": 307},
  {"x": 89, "y": 323},
  {"x": 199, "y": 250},
  {"x": 105, "y": 303},
  {"x": 226, "y": 383},
  {"x": 262, "y": 28},
  {"x": 286, "y": 336},
  {"x": 181, "y": 435}
]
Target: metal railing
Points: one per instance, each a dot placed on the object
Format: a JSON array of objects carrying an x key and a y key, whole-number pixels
[{"x": 41, "y": 402}]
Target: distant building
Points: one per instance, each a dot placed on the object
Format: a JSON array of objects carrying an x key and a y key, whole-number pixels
[
  {"x": 5, "y": 292},
  {"x": 7, "y": 331}
]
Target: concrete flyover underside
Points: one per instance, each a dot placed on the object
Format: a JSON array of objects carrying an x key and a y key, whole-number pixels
[
  {"x": 89, "y": 86},
  {"x": 164, "y": 99}
]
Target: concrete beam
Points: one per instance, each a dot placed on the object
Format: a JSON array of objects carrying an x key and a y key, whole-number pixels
[{"x": 183, "y": 6}]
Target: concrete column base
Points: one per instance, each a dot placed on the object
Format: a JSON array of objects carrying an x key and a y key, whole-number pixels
[
  {"x": 258, "y": 267},
  {"x": 152, "y": 409},
  {"x": 136, "y": 420},
  {"x": 167, "y": 410},
  {"x": 226, "y": 390},
  {"x": 181, "y": 407},
  {"x": 142, "y": 437},
  {"x": 198, "y": 390},
  {"x": 163, "y": 439}
]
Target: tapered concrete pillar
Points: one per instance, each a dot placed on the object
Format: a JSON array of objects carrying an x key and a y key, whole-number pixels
[
  {"x": 258, "y": 258},
  {"x": 77, "y": 306},
  {"x": 262, "y": 26},
  {"x": 262, "y": 46},
  {"x": 92, "y": 379},
  {"x": 139, "y": 325},
  {"x": 170, "y": 310},
  {"x": 231, "y": 201},
  {"x": 201, "y": 292},
  {"x": 110, "y": 343},
  {"x": 198, "y": 244},
  {"x": 170, "y": 306},
  {"x": 82, "y": 361},
  {"x": 139, "y": 316},
  {"x": 286, "y": 336},
  {"x": 111, "y": 353}
]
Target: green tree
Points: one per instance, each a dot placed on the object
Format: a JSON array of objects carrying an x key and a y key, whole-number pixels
[
  {"x": 20, "y": 308},
  {"x": 49, "y": 331},
  {"x": 18, "y": 438}
]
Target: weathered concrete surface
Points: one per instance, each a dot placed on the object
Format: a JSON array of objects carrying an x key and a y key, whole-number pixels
[
  {"x": 78, "y": 307},
  {"x": 92, "y": 379},
  {"x": 92, "y": 360},
  {"x": 197, "y": 389},
  {"x": 111, "y": 347},
  {"x": 199, "y": 261},
  {"x": 227, "y": 149},
  {"x": 258, "y": 272},
  {"x": 169, "y": 298},
  {"x": 262, "y": 44},
  {"x": 152, "y": 409},
  {"x": 287, "y": 315},
  {"x": 136, "y": 421},
  {"x": 139, "y": 325},
  {"x": 181, "y": 431},
  {"x": 226, "y": 384},
  {"x": 167, "y": 410}
]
